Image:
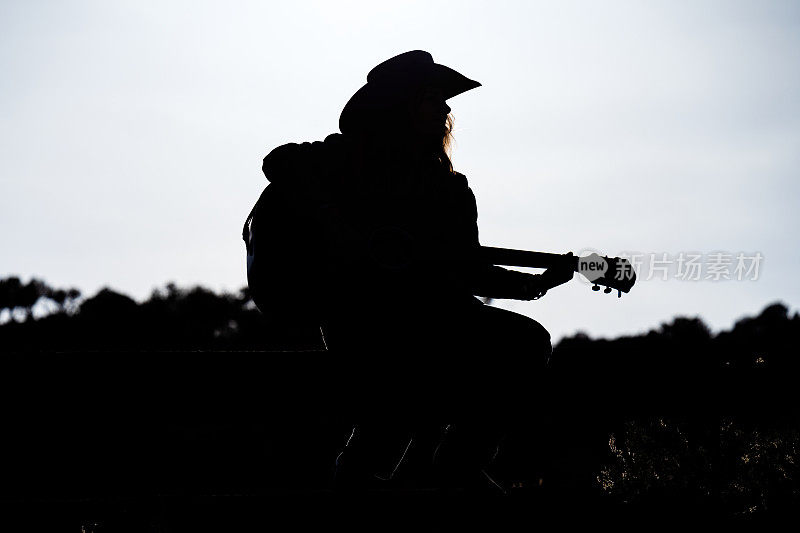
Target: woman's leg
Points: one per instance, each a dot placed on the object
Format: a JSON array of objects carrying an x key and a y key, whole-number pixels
[{"x": 493, "y": 352}]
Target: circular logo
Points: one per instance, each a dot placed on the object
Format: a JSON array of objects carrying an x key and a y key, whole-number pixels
[{"x": 592, "y": 266}]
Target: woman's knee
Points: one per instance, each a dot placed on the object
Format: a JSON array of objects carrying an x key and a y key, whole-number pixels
[
  {"x": 536, "y": 338},
  {"x": 519, "y": 333}
]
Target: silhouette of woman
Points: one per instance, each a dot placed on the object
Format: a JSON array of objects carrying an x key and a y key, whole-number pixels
[{"x": 399, "y": 226}]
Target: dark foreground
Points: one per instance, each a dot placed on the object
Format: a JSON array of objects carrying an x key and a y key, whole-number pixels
[{"x": 245, "y": 441}]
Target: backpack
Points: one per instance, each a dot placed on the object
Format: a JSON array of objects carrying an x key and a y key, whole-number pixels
[{"x": 281, "y": 241}]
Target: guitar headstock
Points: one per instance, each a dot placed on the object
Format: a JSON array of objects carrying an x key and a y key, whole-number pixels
[{"x": 613, "y": 273}]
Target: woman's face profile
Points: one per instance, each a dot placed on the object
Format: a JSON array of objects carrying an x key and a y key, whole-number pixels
[{"x": 429, "y": 114}]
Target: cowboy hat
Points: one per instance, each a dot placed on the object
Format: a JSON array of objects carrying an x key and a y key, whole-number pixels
[{"x": 395, "y": 80}]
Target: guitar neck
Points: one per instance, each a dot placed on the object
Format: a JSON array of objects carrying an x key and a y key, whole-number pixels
[{"x": 520, "y": 258}]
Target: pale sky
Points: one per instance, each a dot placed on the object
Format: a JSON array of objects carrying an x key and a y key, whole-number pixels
[{"x": 133, "y": 132}]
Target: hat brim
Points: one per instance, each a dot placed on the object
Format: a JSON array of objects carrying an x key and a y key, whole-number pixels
[{"x": 374, "y": 97}]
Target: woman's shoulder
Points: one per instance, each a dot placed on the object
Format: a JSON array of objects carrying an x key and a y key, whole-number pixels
[
  {"x": 459, "y": 179},
  {"x": 456, "y": 182}
]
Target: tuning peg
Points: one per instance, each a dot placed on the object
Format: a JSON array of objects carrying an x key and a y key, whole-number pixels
[
  {"x": 607, "y": 290},
  {"x": 596, "y": 287}
]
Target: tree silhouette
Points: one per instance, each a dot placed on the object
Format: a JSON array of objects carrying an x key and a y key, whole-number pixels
[
  {"x": 172, "y": 318},
  {"x": 18, "y": 296}
]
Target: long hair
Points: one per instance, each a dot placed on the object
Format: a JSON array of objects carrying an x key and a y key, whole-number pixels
[{"x": 444, "y": 157}]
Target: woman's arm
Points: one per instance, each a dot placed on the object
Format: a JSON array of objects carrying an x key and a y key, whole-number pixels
[{"x": 492, "y": 281}]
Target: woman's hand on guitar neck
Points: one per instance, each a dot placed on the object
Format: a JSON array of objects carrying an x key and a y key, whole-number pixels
[
  {"x": 560, "y": 273},
  {"x": 536, "y": 285}
]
